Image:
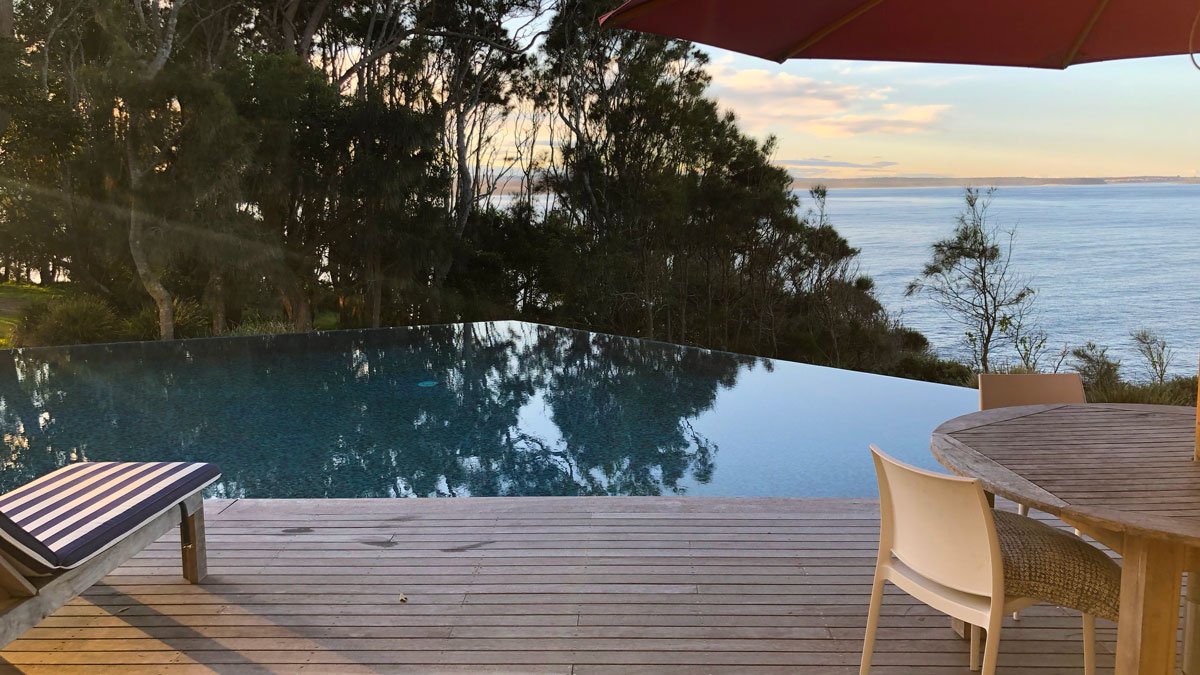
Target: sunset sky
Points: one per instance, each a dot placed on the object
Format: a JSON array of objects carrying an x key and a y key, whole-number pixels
[{"x": 837, "y": 119}]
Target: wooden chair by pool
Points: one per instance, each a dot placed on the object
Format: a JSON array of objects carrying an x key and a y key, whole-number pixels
[
  {"x": 1003, "y": 391},
  {"x": 67, "y": 530},
  {"x": 942, "y": 543}
]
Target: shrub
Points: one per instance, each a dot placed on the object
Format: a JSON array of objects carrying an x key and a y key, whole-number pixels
[
  {"x": 262, "y": 327},
  {"x": 79, "y": 319},
  {"x": 932, "y": 369},
  {"x": 191, "y": 321},
  {"x": 1097, "y": 369},
  {"x": 326, "y": 320},
  {"x": 1176, "y": 391}
]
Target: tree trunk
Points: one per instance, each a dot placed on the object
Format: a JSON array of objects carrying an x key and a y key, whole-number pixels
[
  {"x": 295, "y": 301},
  {"x": 216, "y": 302},
  {"x": 375, "y": 287},
  {"x": 150, "y": 281},
  {"x": 8, "y": 29},
  {"x": 466, "y": 183}
]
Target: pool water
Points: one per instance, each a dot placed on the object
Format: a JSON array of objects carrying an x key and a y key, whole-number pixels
[{"x": 482, "y": 409}]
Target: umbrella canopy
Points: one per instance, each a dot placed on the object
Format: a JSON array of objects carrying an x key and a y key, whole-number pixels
[{"x": 1032, "y": 33}]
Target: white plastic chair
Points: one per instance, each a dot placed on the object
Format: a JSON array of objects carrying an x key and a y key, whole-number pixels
[{"x": 938, "y": 543}]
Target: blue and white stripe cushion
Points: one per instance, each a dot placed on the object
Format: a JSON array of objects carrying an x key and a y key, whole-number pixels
[{"x": 61, "y": 519}]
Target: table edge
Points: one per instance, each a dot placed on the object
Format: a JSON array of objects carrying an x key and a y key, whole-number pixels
[{"x": 965, "y": 461}]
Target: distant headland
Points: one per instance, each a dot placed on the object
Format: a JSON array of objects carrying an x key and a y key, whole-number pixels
[{"x": 999, "y": 181}]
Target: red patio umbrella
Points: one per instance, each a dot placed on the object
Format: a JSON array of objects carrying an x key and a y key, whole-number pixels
[{"x": 1031, "y": 33}]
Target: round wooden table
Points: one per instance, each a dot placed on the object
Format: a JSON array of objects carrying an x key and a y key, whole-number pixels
[{"x": 1124, "y": 474}]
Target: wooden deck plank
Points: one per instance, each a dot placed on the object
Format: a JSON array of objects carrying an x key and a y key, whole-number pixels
[{"x": 522, "y": 585}]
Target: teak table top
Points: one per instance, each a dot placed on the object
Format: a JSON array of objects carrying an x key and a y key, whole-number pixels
[{"x": 1121, "y": 467}]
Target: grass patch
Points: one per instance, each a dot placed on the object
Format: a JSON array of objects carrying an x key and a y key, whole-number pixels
[
  {"x": 326, "y": 320},
  {"x": 13, "y": 298}
]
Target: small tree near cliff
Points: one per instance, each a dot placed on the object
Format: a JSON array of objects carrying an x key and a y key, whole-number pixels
[{"x": 970, "y": 276}]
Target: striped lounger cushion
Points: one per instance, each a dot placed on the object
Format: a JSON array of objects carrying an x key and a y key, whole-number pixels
[{"x": 62, "y": 519}]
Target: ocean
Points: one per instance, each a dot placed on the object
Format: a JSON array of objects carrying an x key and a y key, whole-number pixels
[{"x": 1106, "y": 260}]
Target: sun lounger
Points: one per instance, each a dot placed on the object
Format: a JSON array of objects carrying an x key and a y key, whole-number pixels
[{"x": 67, "y": 530}]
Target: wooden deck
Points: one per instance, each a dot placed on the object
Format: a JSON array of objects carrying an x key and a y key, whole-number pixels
[{"x": 526, "y": 585}]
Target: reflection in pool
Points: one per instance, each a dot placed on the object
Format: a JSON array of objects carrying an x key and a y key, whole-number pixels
[{"x": 483, "y": 409}]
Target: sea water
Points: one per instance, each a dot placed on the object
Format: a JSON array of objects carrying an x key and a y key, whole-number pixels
[{"x": 1106, "y": 260}]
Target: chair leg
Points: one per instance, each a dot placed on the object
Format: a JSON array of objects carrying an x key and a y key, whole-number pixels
[
  {"x": 191, "y": 540},
  {"x": 1089, "y": 644},
  {"x": 975, "y": 639},
  {"x": 1022, "y": 510},
  {"x": 991, "y": 643},
  {"x": 872, "y": 624}
]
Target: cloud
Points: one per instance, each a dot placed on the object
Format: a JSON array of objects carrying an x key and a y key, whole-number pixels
[
  {"x": 892, "y": 118},
  {"x": 906, "y": 74},
  {"x": 830, "y": 163},
  {"x": 783, "y": 103},
  {"x": 871, "y": 67},
  {"x": 824, "y": 168}
]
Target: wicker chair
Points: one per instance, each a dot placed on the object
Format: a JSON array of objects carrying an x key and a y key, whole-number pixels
[{"x": 943, "y": 544}]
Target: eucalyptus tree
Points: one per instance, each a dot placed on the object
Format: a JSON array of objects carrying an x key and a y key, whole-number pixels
[
  {"x": 971, "y": 277},
  {"x": 36, "y": 134},
  {"x": 618, "y": 101}
]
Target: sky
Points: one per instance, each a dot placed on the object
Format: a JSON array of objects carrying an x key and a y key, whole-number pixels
[{"x": 843, "y": 119}]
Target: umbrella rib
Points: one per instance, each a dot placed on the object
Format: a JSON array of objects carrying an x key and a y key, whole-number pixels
[
  {"x": 1083, "y": 35},
  {"x": 825, "y": 32},
  {"x": 617, "y": 17}
]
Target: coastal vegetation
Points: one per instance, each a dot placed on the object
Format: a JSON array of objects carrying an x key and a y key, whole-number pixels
[
  {"x": 190, "y": 168},
  {"x": 197, "y": 167},
  {"x": 972, "y": 277}
]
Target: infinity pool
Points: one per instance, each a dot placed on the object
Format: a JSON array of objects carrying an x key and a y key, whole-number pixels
[{"x": 481, "y": 409}]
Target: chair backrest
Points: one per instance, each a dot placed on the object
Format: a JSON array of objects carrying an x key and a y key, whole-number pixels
[
  {"x": 939, "y": 526},
  {"x": 1002, "y": 391}
]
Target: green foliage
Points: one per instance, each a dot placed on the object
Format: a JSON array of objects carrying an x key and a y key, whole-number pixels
[
  {"x": 1102, "y": 374},
  {"x": 970, "y": 276},
  {"x": 1156, "y": 353},
  {"x": 261, "y": 327},
  {"x": 191, "y": 321},
  {"x": 1098, "y": 370},
  {"x": 78, "y": 319},
  {"x": 341, "y": 165},
  {"x": 14, "y": 298},
  {"x": 326, "y": 320},
  {"x": 1173, "y": 391},
  {"x": 932, "y": 369}
]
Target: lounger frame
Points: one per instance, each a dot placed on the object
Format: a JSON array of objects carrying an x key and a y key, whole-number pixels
[{"x": 25, "y": 602}]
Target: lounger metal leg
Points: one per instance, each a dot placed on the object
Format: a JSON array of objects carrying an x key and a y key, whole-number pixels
[{"x": 191, "y": 538}]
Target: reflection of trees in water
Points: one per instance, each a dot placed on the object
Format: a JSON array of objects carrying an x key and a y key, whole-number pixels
[{"x": 343, "y": 415}]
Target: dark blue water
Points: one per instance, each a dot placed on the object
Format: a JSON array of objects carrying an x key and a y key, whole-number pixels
[
  {"x": 464, "y": 410},
  {"x": 1106, "y": 259}
]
